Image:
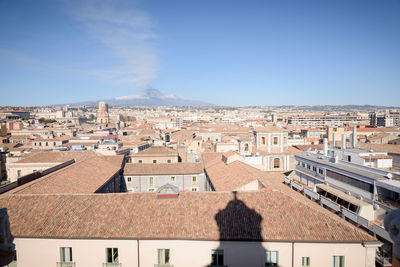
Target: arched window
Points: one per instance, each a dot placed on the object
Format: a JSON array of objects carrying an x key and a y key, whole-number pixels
[{"x": 276, "y": 163}]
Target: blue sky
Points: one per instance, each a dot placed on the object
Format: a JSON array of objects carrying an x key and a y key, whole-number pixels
[{"x": 270, "y": 52}]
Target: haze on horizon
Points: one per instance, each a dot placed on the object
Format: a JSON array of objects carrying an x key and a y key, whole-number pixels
[{"x": 244, "y": 53}]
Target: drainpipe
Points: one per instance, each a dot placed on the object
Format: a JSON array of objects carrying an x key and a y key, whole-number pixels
[
  {"x": 138, "y": 255},
  {"x": 292, "y": 254}
]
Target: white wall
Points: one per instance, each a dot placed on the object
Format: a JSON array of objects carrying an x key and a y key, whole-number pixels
[{"x": 183, "y": 253}]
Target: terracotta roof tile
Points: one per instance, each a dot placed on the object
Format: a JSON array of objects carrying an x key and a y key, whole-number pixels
[
  {"x": 50, "y": 157},
  {"x": 156, "y": 150},
  {"x": 266, "y": 216},
  {"x": 85, "y": 176}
]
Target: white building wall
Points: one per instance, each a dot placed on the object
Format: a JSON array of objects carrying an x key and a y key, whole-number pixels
[{"x": 183, "y": 253}]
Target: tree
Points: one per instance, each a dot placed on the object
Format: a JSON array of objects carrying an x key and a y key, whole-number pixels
[
  {"x": 3, "y": 131},
  {"x": 92, "y": 117}
]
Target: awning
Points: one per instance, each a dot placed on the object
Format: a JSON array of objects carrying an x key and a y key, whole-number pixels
[{"x": 342, "y": 195}]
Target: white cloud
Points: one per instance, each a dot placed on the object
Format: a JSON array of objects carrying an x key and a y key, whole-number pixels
[{"x": 125, "y": 29}]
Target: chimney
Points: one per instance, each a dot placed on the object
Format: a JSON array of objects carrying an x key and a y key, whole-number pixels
[
  {"x": 334, "y": 140},
  {"x": 343, "y": 141},
  {"x": 325, "y": 147},
  {"x": 354, "y": 137}
]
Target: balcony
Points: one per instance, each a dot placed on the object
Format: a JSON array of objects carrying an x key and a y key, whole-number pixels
[
  {"x": 379, "y": 230},
  {"x": 112, "y": 264},
  {"x": 327, "y": 202},
  {"x": 383, "y": 261},
  {"x": 296, "y": 185},
  {"x": 65, "y": 264},
  {"x": 388, "y": 204}
]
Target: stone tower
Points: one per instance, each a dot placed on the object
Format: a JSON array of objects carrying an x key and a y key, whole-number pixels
[{"x": 102, "y": 116}]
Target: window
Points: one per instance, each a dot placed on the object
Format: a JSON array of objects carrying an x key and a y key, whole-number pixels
[
  {"x": 172, "y": 179},
  {"x": 246, "y": 147},
  {"x": 351, "y": 181},
  {"x": 276, "y": 163},
  {"x": 129, "y": 179},
  {"x": 163, "y": 256},
  {"x": 217, "y": 257},
  {"x": 151, "y": 181},
  {"x": 305, "y": 262},
  {"x": 195, "y": 189},
  {"x": 349, "y": 158},
  {"x": 112, "y": 255},
  {"x": 275, "y": 140},
  {"x": 169, "y": 161},
  {"x": 263, "y": 140},
  {"x": 151, "y": 190},
  {"x": 338, "y": 261},
  {"x": 308, "y": 166},
  {"x": 54, "y": 143},
  {"x": 47, "y": 144},
  {"x": 65, "y": 254},
  {"x": 314, "y": 168},
  {"x": 194, "y": 179},
  {"x": 320, "y": 171},
  {"x": 154, "y": 161},
  {"x": 19, "y": 173},
  {"x": 140, "y": 161},
  {"x": 271, "y": 258}
]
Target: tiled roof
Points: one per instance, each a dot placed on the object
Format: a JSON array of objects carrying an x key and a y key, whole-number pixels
[
  {"x": 162, "y": 168},
  {"x": 53, "y": 157},
  {"x": 393, "y": 149},
  {"x": 266, "y": 216},
  {"x": 85, "y": 176},
  {"x": 157, "y": 150},
  {"x": 289, "y": 151},
  {"x": 229, "y": 177},
  {"x": 269, "y": 129}
]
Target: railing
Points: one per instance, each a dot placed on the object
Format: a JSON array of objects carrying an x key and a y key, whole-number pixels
[
  {"x": 384, "y": 261},
  {"x": 65, "y": 264},
  {"x": 111, "y": 264},
  {"x": 379, "y": 230},
  {"x": 310, "y": 193},
  {"x": 296, "y": 185},
  {"x": 350, "y": 215},
  {"x": 330, "y": 203},
  {"x": 362, "y": 221}
]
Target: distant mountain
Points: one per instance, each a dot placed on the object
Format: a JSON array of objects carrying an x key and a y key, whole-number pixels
[{"x": 149, "y": 97}]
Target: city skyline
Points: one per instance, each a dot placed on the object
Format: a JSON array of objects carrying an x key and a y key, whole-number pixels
[{"x": 224, "y": 53}]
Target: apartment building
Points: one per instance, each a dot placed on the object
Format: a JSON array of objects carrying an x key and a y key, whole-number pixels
[
  {"x": 357, "y": 184},
  {"x": 42, "y": 161},
  {"x": 145, "y": 177},
  {"x": 185, "y": 229},
  {"x": 155, "y": 154},
  {"x": 333, "y": 120}
]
